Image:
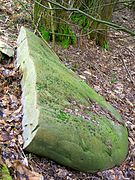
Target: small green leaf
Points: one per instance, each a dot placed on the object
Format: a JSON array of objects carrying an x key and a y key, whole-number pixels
[
  {"x": 45, "y": 33},
  {"x": 106, "y": 46}
]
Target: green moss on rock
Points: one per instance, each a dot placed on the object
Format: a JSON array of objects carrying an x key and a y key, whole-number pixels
[
  {"x": 54, "y": 122},
  {"x": 5, "y": 173}
]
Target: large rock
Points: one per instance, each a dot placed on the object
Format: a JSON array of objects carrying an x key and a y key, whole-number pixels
[{"x": 63, "y": 118}]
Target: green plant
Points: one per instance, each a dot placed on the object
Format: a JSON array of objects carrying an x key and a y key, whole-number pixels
[
  {"x": 45, "y": 33},
  {"x": 65, "y": 36},
  {"x": 81, "y": 20},
  {"x": 128, "y": 4},
  {"x": 106, "y": 45},
  {"x": 63, "y": 116},
  {"x": 5, "y": 173}
]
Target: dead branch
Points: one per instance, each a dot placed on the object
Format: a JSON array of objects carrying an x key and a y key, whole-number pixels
[
  {"x": 107, "y": 23},
  {"x": 128, "y": 72}
]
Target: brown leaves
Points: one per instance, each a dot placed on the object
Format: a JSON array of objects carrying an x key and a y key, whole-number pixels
[
  {"x": 5, "y": 136},
  {"x": 23, "y": 173},
  {"x": 11, "y": 140}
]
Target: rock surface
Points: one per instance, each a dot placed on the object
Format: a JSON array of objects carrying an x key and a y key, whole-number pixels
[
  {"x": 6, "y": 49},
  {"x": 64, "y": 119}
]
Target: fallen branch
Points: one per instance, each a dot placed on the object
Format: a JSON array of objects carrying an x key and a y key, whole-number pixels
[
  {"x": 109, "y": 24},
  {"x": 128, "y": 72}
]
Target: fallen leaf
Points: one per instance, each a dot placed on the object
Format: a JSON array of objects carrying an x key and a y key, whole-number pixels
[
  {"x": 87, "y": 72},
  {"x": 82, "y": 77},
  {"x": 5, "y": 136},
  {"x": 23, "y": 173},
  {"x": 20, "y": 139},
  {"x": 131, "y": 141},
  {"x": 97, "y": 88}
]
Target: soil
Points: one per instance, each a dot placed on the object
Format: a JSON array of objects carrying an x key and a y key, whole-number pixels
[{"x": 111, "y": 73}]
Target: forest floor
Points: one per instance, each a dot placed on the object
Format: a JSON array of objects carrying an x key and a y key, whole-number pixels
[{"x": 111, "y": 73}]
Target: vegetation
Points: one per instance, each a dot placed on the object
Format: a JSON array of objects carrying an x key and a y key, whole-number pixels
[
  {"x": 54, "y": 24},
  {"x": 5, "y": 173},
  {"x": 58, "y": 21}
]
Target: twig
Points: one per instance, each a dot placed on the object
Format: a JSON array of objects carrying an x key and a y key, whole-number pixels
[
  {"x": 52, "y": 27},
  {"x": 86, "y": 34},
  {"x": 24, "y": 7},
  {"x": 45, "y": 41},
  {"x": 118, "y": 36},
  {"x": 128, "y": 72},
  {"x": 42, "y": 38},
  {"x": 38, "y": 23}
]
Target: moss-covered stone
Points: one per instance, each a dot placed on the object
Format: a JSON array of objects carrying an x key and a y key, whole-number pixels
[
  {"x": 59, "y": 121},
  {"x": 5, "y": 174}
]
